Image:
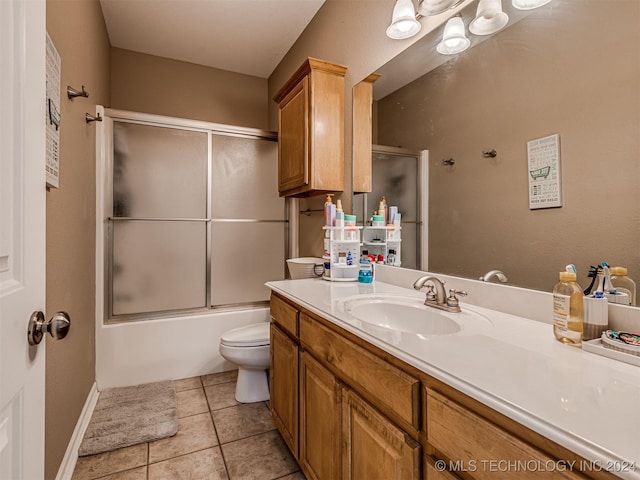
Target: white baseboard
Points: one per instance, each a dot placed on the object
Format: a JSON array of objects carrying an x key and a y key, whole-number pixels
[{"x": 70, "y": 459}]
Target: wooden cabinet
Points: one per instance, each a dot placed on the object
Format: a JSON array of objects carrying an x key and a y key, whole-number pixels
[
  {"x": 283, "y": 372},
  {"x": 374, "y": 448},
  {"x": 320, "y": 398},
  {"x": 349, "y": 410},
  {"x": 363, "y": 133},
  {"x": 311, "y": 130},
  {"x": 475, "y": 445}
]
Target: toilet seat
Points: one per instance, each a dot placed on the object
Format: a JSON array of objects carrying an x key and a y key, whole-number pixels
[{"x": 255, "y": 335}]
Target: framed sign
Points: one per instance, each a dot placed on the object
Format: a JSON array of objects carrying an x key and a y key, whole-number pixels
[
  {"x": 545, "y": 188},
  {"x": 53, "y": 115}
]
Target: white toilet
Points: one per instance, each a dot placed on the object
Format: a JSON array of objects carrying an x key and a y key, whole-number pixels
[{"x": 248, "y": 348}]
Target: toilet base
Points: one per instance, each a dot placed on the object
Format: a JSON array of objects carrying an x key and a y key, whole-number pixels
[{"x": 252, "y": 386}]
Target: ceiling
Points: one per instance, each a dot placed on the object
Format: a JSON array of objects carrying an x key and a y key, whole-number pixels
[{"x": 244, "y": 36}]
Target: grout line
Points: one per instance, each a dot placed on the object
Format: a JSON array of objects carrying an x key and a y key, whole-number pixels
[{"x": 250, "y": 436}]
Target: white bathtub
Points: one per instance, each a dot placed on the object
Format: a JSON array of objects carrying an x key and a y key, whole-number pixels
[{"x": 166, "y": 349}]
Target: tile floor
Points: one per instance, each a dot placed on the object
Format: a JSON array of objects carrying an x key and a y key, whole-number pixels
[{"x": 218, "y": 439}]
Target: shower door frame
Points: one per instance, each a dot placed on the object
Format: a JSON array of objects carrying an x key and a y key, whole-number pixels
[
  {"x": 422, "y": 201},
  {"x": 105, "y": 219}
]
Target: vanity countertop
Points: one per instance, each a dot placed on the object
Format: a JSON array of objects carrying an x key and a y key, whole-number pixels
[{"x": 582, "y": 401}]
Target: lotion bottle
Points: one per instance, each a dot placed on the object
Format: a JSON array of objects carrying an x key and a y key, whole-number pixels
[
  {"x": 568, "y": 317},
  {"x": 329, "y": 211},
  {"x": 339, "y": 214}
]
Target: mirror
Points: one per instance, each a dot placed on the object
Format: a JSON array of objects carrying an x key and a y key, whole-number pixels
[{"x": 568, "y": 68}]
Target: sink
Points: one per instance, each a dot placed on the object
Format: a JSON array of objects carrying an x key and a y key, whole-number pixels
[{"x": 407, "y": 314}]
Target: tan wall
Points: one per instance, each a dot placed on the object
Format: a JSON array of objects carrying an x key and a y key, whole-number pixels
[
  {"x": 350, "y": 33},
  {"x": 150, "y": 84},
  {"x": 78, "y": 32},
  {"x": 505, "y": 92}
]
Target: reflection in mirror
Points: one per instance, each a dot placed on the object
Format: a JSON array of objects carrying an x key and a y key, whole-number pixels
[
  {"x": 568, "y": 68},
  {"x": 396, "y": 174}
]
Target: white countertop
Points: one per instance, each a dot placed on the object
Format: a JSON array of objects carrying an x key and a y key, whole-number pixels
[{"x": 582, "y": 401}]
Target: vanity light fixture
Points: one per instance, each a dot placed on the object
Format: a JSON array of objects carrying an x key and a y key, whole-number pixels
[
  {"x": 454, "y": 39},
  {"x": 403, "y": 23},
  {"x": 528, "y": 4},
  {"x": 434, "y": 7},
  {"x": 489, "y": 18}
]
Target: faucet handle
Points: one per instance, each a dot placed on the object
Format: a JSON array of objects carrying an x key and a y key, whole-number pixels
[
  {"x": 431, "y": 294},
  {"x": 452, "y": 299}
]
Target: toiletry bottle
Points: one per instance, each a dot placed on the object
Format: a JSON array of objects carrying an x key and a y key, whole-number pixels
[
  {"x": 339, "y": 214},
  {"x": 622, "y": 283},
  {"x": 328, "y": 215},
  {"x": 391, "y": 257},
  {"x": 568, "y": 309}
]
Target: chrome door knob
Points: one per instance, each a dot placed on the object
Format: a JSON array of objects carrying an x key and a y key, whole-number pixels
[{"x": 58, "y": 326}]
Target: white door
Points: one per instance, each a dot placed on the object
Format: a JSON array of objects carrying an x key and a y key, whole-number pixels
[{"x": 22, "y": 236}]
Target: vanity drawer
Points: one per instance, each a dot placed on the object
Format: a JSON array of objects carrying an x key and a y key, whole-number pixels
[
  {"x": 470, "y": 441},
  {"x": 386, "y": 386},
  {"x": 284, "y": 315}
]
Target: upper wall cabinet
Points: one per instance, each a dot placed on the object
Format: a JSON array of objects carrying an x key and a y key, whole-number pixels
[
  {"x": 311, "y": 130},
  {"x": 363, "y": 133}
]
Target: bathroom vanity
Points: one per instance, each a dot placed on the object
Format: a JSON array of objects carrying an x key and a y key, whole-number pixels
[{"x": 481, "y": 395}]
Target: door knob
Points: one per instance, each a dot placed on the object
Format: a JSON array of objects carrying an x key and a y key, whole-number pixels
[{"x": 58, "y": 326}]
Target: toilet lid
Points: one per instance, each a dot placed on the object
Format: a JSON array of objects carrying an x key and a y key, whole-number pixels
[{"x": 254, "y": 335}]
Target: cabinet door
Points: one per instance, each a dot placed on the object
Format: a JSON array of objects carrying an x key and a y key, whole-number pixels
[
  {"x": 373, "y": 447},
  {"x": 284, "y": 387},
  {"x": 319, "y": 421},
  {"x": 293, "y": 138},
  {"x": 436, "y": 471}
]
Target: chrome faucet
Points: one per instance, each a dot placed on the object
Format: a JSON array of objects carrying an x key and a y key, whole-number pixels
[
  {"x": 494, "y": 273},
  {"x": 436, "y": 296}
]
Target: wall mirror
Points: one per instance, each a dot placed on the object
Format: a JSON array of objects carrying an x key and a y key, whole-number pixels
[{"x": 570, "y": 69}]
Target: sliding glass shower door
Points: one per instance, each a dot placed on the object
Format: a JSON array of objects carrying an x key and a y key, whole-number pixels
[{"x": 196, "y": 220}]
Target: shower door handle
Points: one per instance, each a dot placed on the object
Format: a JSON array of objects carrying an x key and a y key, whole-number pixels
[{"x": 57, "y": 326}]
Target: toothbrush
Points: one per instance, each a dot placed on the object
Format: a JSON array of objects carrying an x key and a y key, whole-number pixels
[
  {"x": 593, "y": 274},
  {"x": 599, "y": 293},
  {"x": 608, "y": 287}
]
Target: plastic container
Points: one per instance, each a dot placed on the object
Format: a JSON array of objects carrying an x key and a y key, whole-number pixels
[
  {"x": 568, "y": 313},
  {"x": 305, "y": 267},
  {"x": 622, "y": 283},
  {"x": 365, "y": 275}
]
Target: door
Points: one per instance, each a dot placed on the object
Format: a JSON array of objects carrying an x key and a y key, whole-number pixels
[
  {"x": 284, "y": 387},
  {"x": 22, "y": 236},
  {"x": 319, "y": 420}
]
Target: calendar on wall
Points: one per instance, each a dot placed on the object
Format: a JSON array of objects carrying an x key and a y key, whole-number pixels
[
  {"x": 53, "y": 115},
  {"x": 545, "y": 188}
]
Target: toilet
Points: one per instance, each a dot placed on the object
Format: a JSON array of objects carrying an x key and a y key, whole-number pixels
[{"x": 248, "y": 348}]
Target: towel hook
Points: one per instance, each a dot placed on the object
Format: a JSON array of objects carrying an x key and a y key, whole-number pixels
[
  {"x": 90, "y": 118},
  {"x": 449, "y": 161},
  {"x": 73, "y": 93},
  {"x": 489, "y": 153}
]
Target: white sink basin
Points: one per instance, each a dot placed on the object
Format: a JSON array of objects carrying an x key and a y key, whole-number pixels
[{"x": 408, "y": 315}]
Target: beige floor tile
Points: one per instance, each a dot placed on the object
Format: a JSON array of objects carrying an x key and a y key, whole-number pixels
[
  {"x": 194, "y": 433},
  {"x": 187, "y": 384},
  {"x": 242, "y": 421},
  {"x": 221, "y": 395},
  {"x": 135, "y": 474},
  {"x": 191, "y": 402},
  {"x": 110, "y": 462},
  {"x": 263, "y": 457},
  {"x": 217, "y": 378},
  {"x": 202, "y": 465}
]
